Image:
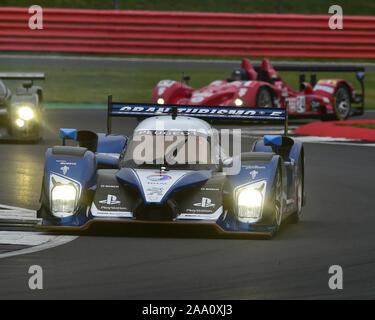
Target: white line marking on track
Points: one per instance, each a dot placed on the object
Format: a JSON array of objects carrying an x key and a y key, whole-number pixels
[
  {"x": 38, "y": 242},
  {"x": 14, "y": 214},
  {"x": 24, "y": 238},
  {"x": 16, "y": 208}
]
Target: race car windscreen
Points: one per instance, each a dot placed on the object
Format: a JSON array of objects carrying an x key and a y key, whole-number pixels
[{"x": 177, "y": 149}]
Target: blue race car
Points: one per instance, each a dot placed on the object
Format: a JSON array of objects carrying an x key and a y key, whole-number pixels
[{"x": 175, "y": 170}]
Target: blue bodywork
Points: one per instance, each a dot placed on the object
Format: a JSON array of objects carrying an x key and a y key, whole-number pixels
[
  {"x": 66, "y": 133},
  {"x": 110, "y": 191},
  {"x": 84, "y": 170}
]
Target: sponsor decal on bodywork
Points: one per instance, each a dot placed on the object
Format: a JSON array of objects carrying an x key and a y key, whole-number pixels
[
  {"x": 217, "y": 112},
  {"x": 205, "y": 203},
  {"x": 111, "y": 199},
  {"x": 159, "y": 177},
  {"x": 64, "y": 170},
  {"x": 324, "y": 88},
  {"x": 164, "y": 182},
  {"x": 253, "y": 174},
  {"x": 297, "y": 104},
  {"x": 166, "y": 83}
]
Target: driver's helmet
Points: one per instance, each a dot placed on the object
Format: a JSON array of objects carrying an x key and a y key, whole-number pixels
[{"x": 239, "y": 74}]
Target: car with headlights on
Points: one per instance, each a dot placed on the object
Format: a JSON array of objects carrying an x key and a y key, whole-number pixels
[
  {"x": 21, "y": 112},
  {"x": 175, "y": 170},
  {"x": 262, "y": 87}
]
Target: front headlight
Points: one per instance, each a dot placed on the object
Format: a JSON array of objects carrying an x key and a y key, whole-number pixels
[
  {"x": 238, "y": 102},
  {"x": 26, "y": 113},
  {"x": 250, "y": 200},
  {"x": 160, "y": 101},
  {"x": 64, "y": 199},
  {"x": 20, "y": 123},
  {"x": 64, "y": 196}
]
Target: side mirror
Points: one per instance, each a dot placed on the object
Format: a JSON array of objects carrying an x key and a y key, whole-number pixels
[
  {"x": 360, "y": 75},
  {"x": 70, "y": 134},
  {"x": 273, "y": 140},
  {"x": 280, "y": 144}
]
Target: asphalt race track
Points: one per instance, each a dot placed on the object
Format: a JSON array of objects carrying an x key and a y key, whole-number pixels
[
  {"x": 337, "y": 229},
  {"x": 180, "y": 64}
]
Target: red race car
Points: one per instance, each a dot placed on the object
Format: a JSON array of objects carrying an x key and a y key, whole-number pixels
[{"x": 263, "y": 87}]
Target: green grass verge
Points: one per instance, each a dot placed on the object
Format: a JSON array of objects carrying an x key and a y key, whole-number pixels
[
  {"x": 358, "y": 125},
  {"x": 74, "y": 105},
  {"x": 93, "y": 84},
  {"x": 358, "y": 7}
]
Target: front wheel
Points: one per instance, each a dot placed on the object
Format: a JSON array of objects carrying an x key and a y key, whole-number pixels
[
  {"x": 278, "y": 202},
  {"x": 264, "y": 98},
  {"x": 295, "y": 217}
]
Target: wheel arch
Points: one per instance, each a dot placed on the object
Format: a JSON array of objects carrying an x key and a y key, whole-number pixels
[
  {"x": 269, "y": 89},
  {"x": 348, "y": 86}
]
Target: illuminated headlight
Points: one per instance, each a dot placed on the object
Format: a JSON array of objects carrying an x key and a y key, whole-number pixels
[
  {"x": 160, "y": 101},
  {"x": 250, "y": 200},
  {"x": 26, "y": 113},
  {"x": 64, "y": 195},
  {"x": 238, "y": 102},
  {"x": 20, "y": 123}
]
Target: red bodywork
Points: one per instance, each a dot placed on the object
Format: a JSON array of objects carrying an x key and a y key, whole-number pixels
[{"x": 311, "y": 101}]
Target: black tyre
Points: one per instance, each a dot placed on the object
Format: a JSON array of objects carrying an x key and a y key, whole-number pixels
[
  {"x": 342, "y": 104},
  {"x": 296, "y": 215},
  {"x": 278, "y": 202},
  {"x": 264, "y": 98}
]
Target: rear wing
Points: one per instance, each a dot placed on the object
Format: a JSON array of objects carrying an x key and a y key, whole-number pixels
[
  {"x": 120, "y": 109},
  {"x": 296, "y": 67},
  {"x": 21, "y": 76},
  {"x": 360, "y": 71},
  {"x": 315, "y": 68}
]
